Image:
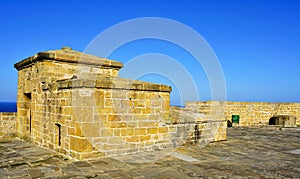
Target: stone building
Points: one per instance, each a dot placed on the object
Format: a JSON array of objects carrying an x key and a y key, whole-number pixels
[{"x": 76, "y": 104}]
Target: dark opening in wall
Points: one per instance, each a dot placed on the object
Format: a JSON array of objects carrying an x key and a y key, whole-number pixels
[
  {"x": 272, "y": 121},
  {"x": 59, "y": 134},
  {"x": 283, "y": 120},
  {"x": 196, "y": 134},
  {"x": 27, "y": 97}
]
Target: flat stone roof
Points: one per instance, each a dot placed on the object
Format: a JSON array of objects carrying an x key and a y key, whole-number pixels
[
  {"x": 66, "y": 54},
  {"x": 247, "y": 153}
]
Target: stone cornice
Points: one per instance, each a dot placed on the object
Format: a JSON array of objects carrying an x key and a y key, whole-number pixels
[
  {"x": 70, "y": 56},
  {"x": 108, "y": 83}
]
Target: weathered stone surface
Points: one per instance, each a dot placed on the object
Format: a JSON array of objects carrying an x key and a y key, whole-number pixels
[
  {"x": 112, "y": 82},
  {"x": 69, "y": 56},
  {"x": 68, "y": 100},
  {"x": 248, "y": 153},
  {"x": 8, "y": 123},
  {"x": 80, "y": 144},
  {"x": 250, "y": 113}
]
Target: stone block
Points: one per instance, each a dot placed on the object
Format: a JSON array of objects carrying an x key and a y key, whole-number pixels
[
  {"x": 80, "y": 144},
  {"x": 153, "y": 117},
  {"x": 68, "y": 110},
  {"x": 152, "y": 130},
  {"x": 99, "y": 98},
  {"x": 119, "y": 94},
  {"x": 90, "y": 129},
  {"x": 71, "y": 131},
  {"x": 140, "y": 131},
  {"x": 109, "y": 147},
  {"x": 113, "y": 118},
  {"x": 118, "y": 125},
  {"x": 137, "y": 110},
  {"x": 117, "y": 132},
  {"x": 133, "y": 139},
  {"x": 104, "y": 132},
  {"x": 78, "y": 131},
  {"x": 146, "y": 110},
  {"x": 139, "y": 104},
  {"x": 131, "y": 95},
  {"x": 115, "y": 140},
  {"x": 140, "y": 117},
  {"x": 145, "y": 138},
  {"x": 156, "y": 103},
  {"x": 162, "y": 129},
  {"x": 146, "y": 124},
  {"x": 130, "y": 131},
  {"x": 105, "y": 110},
  {"x": 84, "y": 114},
  {"x": 99, "y": 140}
]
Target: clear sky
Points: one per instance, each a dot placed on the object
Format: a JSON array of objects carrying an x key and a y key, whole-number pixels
[{"x": 256, "y": 41}]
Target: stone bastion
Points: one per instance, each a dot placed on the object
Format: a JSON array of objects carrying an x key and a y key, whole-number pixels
[{"x": 76, "y": 104}]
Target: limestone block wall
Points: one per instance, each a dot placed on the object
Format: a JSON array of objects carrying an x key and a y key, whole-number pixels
[
  {"x": 112, "y": 118},
  {"x": 7, "y": 122},
  {"x": 251, "y": 113},
  {"x": 259, "y": 113},
  {"x": 48, "y": 68},
  {"x": 74, "y": 103},
  {"x": 194, "y": 128},
  {"x": 83, "y": 121},
  {"x": 214, "y": 119}
]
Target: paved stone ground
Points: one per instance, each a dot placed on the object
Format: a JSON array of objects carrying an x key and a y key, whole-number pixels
[{"x": 248, "y": 153}]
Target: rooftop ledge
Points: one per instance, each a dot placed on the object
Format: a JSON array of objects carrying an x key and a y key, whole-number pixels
[
  {"x": 108, "y": 83},
  {"x": 66, "y": 54}
]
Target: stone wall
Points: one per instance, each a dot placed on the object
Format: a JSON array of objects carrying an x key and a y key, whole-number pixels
[
  {"x": 250, "y": 113},
  {"x": 76, "y": 104},
  {"x": 194, "y": 128},
  {"x": 48, "y": 68},
  {"x": 84, "y": 121},
  {"x": 79, "y": 107},
  {"x": 7, "y": 122}
]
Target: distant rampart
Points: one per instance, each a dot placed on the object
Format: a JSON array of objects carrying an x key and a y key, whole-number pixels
[{"x": 250, "y": 113}]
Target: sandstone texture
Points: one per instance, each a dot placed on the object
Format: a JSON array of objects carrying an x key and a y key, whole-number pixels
[
  {"x": 250, "y": 113},
  {"x": 261, "y": 152},
  {"x": 76, "y": 104}
]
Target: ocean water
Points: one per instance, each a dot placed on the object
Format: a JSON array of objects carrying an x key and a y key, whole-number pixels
[{"x": 8, "y": 107}]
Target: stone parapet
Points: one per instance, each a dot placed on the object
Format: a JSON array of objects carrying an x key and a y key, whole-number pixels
[
  {"x": 249, "y": 113},
  {"x": 7, "y": 122},
  {"x": 196, "y": 128},
  {"x": 103, "y": 82}
]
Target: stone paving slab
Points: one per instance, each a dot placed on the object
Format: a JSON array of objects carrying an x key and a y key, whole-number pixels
[{"x": 248, "y": 153}]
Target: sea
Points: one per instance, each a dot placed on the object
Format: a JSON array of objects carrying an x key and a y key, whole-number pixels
[{"x": 8, "y": 107}]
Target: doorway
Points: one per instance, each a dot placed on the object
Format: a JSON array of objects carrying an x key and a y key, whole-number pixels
[{"x": 28, "y": 121}]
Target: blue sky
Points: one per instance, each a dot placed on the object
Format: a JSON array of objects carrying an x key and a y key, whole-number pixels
[{"x": 256, "y": 42}]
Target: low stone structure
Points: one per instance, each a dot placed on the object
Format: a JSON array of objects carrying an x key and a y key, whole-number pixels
[
  {"x": 250, "y": 113},
  {"x": 76, "y": 104},
  {"x": 7, "y": 123},
  {"x": 283, "y": 121},
  {"x": 202, "y": 128}
]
